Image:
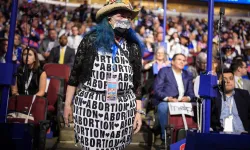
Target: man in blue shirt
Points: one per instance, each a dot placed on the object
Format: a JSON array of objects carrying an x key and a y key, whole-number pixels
[{"x": 233, "y": 114}]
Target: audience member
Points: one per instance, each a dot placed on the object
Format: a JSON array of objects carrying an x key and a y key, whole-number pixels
[
  {"x": 48, "y": 44},
  {"x": 62, "y": 54},
  {"x": 231, "y": 115},
  {"x": 239, "y": 68},
  {"x": 30, "y": 80},
  {"x": 75, "y": 39},
  {"x": 172, "y": 84},
  {"x": 200, "y": 65}
]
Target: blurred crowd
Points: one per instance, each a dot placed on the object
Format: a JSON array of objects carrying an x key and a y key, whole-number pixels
[{"x": 46, "y": 27}]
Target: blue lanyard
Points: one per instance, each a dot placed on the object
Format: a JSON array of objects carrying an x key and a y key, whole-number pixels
[{"x": 114, "y": 51}]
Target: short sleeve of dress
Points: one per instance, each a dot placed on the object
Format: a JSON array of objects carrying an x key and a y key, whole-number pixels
[{"x": 77, "y": 67}]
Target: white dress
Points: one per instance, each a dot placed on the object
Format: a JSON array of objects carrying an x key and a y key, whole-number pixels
[{"x": 99, "y": 124}]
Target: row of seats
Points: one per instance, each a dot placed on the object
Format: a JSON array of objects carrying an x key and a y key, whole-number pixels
[{"x": 44, "y": 109}]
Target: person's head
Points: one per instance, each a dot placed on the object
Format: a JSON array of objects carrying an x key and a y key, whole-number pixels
[
  {"x": 25, "y": 27},
  {"x": 239, "y": 67},
  {"x": 120, "y": 21},
  {"x": 201, "y": 61},
  {"x": 229, "y": 80},
  {"x": 179, "y": 61},
  {"x": 75, "y": 30},
  {"x": 52, "y": 34},
  {"x": 230, "y": 41},
  {"x": 113, "y": 5},
  {"x": 159, "y": 37},
  {"x": 119, "y": 14},
  {"x": 63, "y": 40},
  {"x": 33, "y": 61},
  {"x": 160, "y": 54},
  {"x": 17, "y": 40},
  {"x": 184, "y": 40},
  {"x": 3, "y": 45},
  {"x": 204, "y": 38}
]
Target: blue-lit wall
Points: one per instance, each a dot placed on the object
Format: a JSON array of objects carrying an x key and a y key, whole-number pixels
[{"x": 232, "y": 1}]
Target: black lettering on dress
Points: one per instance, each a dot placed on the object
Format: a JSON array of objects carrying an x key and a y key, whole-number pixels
[
  {"x": 122, "y": 60},
  {"x": 102, "y": 68},
  {"x": 75, "y": 109},
  {"x": 111, "y": 143},
  {"x": 106, "y": 107},
  {"x": 112, "y": 116},
  {"x": 125, "y": 77},
  {"x": 82, "y": 130},
  {"x": 109, "y": 67},
  {"x": 79, "y": 120},
  {"x": 85, "y": 121},
  {"x": 120, "y": 78},
  {"x": 117, "y": 60},
  {"x": 91, "y": 95},
  {"x": 78, "y": 129},
  {"x": 100, "y": 85},
  {"x": 106, "y": 116},
  {"x": 100, "y": 106},
  {"x": 98, "y": 143},
  {"x": 102, "y": 75},
  {"x": 120, "y": 68},
  {"x": 123, "y": 115},
  {"x": 118, "y": 116},
  {"x": 91, "y": 123},
  {"x": 92, "y": 142},
  {"x": 86, "y": 141},
  {"x": 94, "y": 104},
  {"x": 94, "y": 83},
  {"x": 103, "y": 58}
]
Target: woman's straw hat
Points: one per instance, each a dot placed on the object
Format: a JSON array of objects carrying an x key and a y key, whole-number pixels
[{"x": 112, "y": 5}]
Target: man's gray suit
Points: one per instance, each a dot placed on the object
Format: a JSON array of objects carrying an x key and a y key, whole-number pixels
[{"x": 246, "y": 84}]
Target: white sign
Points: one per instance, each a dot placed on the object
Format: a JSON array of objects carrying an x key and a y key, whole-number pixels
[{"x": 178, "y": 108}]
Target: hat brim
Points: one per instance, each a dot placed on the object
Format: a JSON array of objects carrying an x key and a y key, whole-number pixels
[{"x": 113, "y": 7}]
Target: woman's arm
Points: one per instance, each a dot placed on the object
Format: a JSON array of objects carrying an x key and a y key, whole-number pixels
[
  {"x": 148, "y": 65},
  {"x": 138, "y": 105},
  {"x": 14, "y": 89},
  {"x": 69, "y": 95},
  {"x": 68, "y": 114},
  {"x": 42, "y": 84}
]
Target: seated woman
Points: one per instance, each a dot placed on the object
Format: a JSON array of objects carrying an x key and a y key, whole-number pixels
[
  {"x": 152, "y": 68},
  {"x": 30, "y": 81}
]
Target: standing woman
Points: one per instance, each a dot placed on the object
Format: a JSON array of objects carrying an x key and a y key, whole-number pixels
[
  {"x": 107, "y": 72},
  {"x": 35, "y": 77}
]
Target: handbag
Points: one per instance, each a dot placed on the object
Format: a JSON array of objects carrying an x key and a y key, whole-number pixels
[{"x": 22, "y": 115}]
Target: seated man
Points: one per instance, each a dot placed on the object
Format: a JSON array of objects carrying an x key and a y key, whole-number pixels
[
  {"x": 172, "y": 84},
  {"x": 233, "y": 113},
  {"x": 62, "y": 54}
]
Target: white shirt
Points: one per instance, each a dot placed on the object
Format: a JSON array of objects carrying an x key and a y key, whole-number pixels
[
  {"x": 63, "y": 48},
  {"x": 50, "y": 45},
  {"x": 178, "y": 78},
  {"x": 74, "y": 41}
]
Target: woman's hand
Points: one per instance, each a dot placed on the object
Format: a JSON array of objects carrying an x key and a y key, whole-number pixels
[
  {"x": 137, "y": 123},
  {"x": 67, "y": 114}
]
